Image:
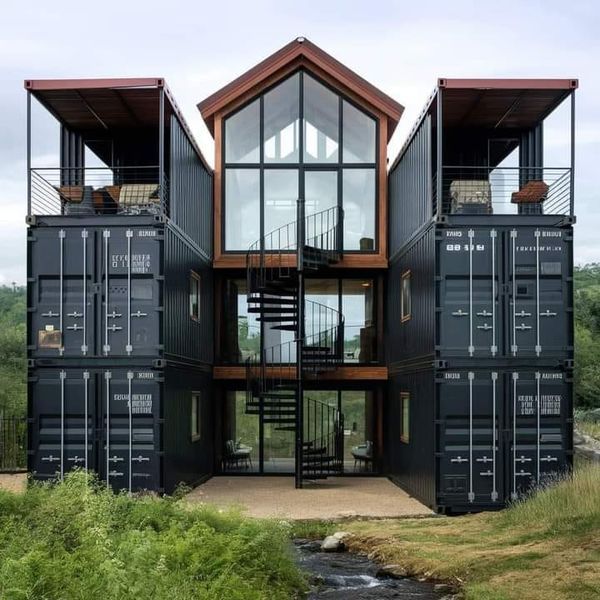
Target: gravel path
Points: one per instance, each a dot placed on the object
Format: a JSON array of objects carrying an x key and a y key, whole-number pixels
[{"x": 333, "y": 498}]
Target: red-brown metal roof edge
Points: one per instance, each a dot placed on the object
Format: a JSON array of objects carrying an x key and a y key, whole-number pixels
[
  {"x": 509, "y": 84},
  {"x": 90, "y": 84},
  {"x": 41, "y": 85},
  {"x": 301, "y": 47}
]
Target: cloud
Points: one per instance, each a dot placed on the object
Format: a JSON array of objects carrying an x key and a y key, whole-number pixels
[{"x": 198, "y": 47}]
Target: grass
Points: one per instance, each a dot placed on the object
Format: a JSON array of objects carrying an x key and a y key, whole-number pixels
[
  {"x": 545, "y": 547},
  {"x": 587, "y": 426},
  {"x": 78, "y": 540}
]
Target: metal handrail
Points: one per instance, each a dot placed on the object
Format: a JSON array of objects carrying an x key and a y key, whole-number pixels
[
  {"x": 503, "y": 190},
  {"x": 86, "y": 191}
]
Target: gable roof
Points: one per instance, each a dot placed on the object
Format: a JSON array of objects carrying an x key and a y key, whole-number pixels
[{"x": 304, "y": 53}]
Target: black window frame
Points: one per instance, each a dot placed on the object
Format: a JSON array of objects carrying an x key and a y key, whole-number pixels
[
  {"x": 406, "y": 281},
  {"x": 196, "y": 426},
  {"x": 196, "y": 280},
  {"x": 301, "y": 166},
  {"x": 405, "y": 417}
]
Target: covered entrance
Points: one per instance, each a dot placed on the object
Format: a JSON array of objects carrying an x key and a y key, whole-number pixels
[{"x": 252, "y": 446}]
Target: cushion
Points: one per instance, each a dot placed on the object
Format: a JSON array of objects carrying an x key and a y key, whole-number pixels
[
  {"x": 135, "y": 194},
  {"x": 470, "y": 191},
  {"x": 532, "y": 192}
]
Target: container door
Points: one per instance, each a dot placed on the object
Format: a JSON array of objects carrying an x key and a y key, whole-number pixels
[
  {"x": 468, "y": 292},
  {"x": 469, "y": 456},
  {"x": 130, "y": 423},
  {"x": 131, "y": 292},
  {"x": 62, "y": 410},
  {"x": 540, "y": 297},
  {"x": 539, "y": 432},
  {"x": 61, "y": 292}
]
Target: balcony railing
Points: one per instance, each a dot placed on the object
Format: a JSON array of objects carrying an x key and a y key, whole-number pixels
[
  {"x": 98, "y": 191},
  {"x": 506, "y": 190}
]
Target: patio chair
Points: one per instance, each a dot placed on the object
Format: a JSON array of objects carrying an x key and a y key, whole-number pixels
[
  {"x": 236, "y": 454},
  {"x": 363, "y": 455}
]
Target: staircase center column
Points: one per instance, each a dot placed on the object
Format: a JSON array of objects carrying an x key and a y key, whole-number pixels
[{"x": 300, "y": 242}]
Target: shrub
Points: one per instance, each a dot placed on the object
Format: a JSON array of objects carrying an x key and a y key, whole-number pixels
[{"x": 78, "y": 540}]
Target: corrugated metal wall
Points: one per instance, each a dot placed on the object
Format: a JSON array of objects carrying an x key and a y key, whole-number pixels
[
  {"x": 411, "y": 465},
  {"x": 414, "y": 339},
  {"x": 184, "y": 337},
  {"x": 186, "y": 460},
  {"x": 191, "y": 190},
  {"x": 410, "y": 189}
]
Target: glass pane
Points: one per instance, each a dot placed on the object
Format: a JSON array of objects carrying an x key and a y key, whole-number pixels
[
  {"x": 359, "y": 209},
  {"x": 242, "y": 208},
  {"x": 359, "y": 136},
  {"x": 194, "y": 297},
  {"x": 359, "y": 324},
  {"x": 324, "y": 292},
  {"x": 194, "y": 417},
  {"x": 320, "y": 190},
  {"x": 279, "y": 449},
  {"x": 241, "y": 331},
  {"x": 240, "y": 435},
  {"x": 320, "y": 193},
  {"x": 359, "y": 447},
  {"x": 242, "y": 135},
  {"x": 281, "y": 118},
  {"x": 281, "y": 195},
  {"x": 321, "y": 123}
]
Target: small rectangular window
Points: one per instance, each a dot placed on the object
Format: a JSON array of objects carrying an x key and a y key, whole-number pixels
[
  {"x": 195, "y": 296},
  {"x": 405, "y": 297},
  {"x": 196, "y": 416},
  {"x": 405, "y": 416}
]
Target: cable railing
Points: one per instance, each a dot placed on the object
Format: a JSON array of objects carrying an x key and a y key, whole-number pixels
[
  {"x": 323, "y": 433},
  {"x": 504, "y": 190},
  {"x": 87, "y": 191}
]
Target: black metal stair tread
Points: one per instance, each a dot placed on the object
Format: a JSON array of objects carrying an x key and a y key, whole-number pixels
[
  {"x": 266, "y": 300},
  {"x": 274, "y": 420},
  {"x": 275, "y": 318},
  {"x": 284, "y": 327},
  {"x": 271, "y": 309}
]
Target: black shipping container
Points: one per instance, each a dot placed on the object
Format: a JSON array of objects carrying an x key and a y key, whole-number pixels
[
  {"x": 116, "y": 288},
  {"x": 119, "y": 423},
  {"x": 495, "y": 289},
  {"x": 500, "y": 433},
  {"x": 496, "y": 434},
  {"x": 504, "y": 291}
]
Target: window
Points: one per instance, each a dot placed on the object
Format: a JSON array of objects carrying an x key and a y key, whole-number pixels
[
  {"x": 242, "y": 135},
  {"x": 299, "y": 138},
  {"x": 195, "y": 296},
  {"x": 242, "y": 208},
  {"x": 405, "y": 416},
  {"x": 405, "y": 297},
  {"x": 196, "y": 416}
]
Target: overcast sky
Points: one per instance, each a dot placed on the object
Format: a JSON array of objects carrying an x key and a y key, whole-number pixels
[{"x": 401, "y": 47}]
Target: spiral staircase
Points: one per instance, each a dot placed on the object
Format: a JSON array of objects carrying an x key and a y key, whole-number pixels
[{"x": 276, "y": 266}]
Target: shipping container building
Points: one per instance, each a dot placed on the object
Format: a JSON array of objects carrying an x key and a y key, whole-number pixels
[
  {"x": 345, "y": 319},
  {"x": 120, "y": 286},
  {"x": 479, "y": 308}
]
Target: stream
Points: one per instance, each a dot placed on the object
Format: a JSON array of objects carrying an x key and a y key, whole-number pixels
[{"x": 354, "y": 577}]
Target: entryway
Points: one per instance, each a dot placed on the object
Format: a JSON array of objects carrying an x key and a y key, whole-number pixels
[{"x": 332, "y": 498}]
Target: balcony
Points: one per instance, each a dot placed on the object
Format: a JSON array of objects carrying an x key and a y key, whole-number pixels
[
  {"x": 90, "y": 191},
  {"x": 504, "y": 190}
]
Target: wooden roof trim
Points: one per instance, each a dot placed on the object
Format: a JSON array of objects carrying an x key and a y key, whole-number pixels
[{"x": 311, "y": 53}]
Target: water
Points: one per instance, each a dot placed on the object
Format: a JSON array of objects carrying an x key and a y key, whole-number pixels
[{"x": 348, "y": 576}]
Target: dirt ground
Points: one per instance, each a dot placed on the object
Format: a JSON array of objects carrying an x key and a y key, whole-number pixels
[
  {"x": 13, "y": 483},
  {"x": 332, "y": 498}
]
